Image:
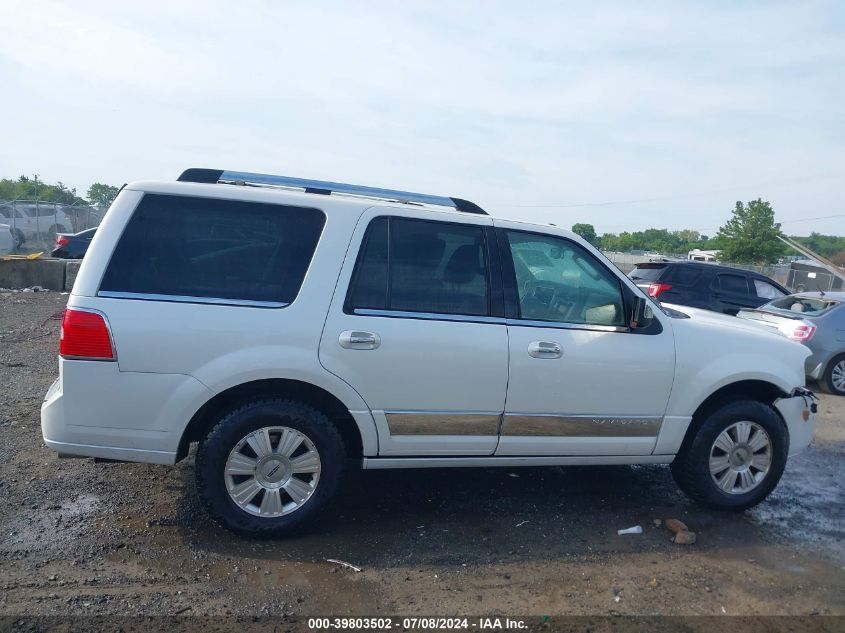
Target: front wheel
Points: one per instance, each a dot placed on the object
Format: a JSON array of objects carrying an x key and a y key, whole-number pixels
[
  {"x": 735, "y": 458},
  {"x": 269, "y": 468}
]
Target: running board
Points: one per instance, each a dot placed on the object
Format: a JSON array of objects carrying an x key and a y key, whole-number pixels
[{"x": 378, "y": 463}]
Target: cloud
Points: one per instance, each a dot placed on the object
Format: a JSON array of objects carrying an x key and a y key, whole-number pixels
[{"x": 489, "y": 100}]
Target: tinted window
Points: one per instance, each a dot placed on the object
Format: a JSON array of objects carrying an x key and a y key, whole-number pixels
[
  {"x": 559, "y": 281},
  {"x": 221, "y": 249},
  {"x": 435, "y": 267},
  {"x": 685, "y": 275},
  {"x": 369, "y": 282},
  {"x": 735, "y": 284},
  {"x": 766, "y": 290},
  {"x": 647, "y": 272}
]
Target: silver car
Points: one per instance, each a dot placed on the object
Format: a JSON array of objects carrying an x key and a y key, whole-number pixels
[{"x": 816, "y": 319}]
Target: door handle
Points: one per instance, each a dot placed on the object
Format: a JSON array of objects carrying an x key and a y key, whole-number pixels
[
  {"x": 355, "y": 339},
  {"x": 544, "y": 349}
]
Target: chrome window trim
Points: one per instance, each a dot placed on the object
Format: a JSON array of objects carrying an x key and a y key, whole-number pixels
[
  {"x": 428, "y": 316},
  {"x": 561, "y": 325},
  {"x": 141, "y": 296},
  {"x": 551, "y": 425},
  {"x": 477, "y": 423}
]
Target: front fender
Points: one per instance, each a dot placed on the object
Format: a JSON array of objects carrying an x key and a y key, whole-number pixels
[{"x": 695, "y": 383}]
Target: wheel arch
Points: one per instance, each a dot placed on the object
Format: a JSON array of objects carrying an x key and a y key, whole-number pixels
[
  {"x": 753, "y": 389},
  {"x": 305, "y": 392}
]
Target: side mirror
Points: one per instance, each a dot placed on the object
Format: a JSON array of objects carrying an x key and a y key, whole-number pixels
[{"x": 641, "y": 313}]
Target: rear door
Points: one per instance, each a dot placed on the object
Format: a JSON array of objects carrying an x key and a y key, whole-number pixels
[
  {"x": 416, "y": 327},
  {"x": 731, "y": 293}
]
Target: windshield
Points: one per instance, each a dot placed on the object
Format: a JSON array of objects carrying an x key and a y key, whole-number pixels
[{"x": 808, "y": 306}]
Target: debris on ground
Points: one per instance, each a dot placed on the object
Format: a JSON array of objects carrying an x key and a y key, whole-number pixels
[
  {"x": 683, "y": 535},
  {"x": 637, "y": 529},
  {"x": 521, "y": 523},
  {"x": 676, "y": 526},
  {"x": 343, "y": 564}
]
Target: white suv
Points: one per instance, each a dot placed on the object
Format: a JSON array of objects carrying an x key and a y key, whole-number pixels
[{"x": 296, "y": 328}]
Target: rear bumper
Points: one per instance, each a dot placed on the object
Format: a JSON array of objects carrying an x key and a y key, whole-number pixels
[
  {"x": 95, "y": 410},
  {"x": 798, "y": 412}
]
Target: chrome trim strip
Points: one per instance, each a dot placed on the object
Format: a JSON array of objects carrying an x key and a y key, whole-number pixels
[
  {"x": 442, "y": 423},
  {"x": 186, "y": 299},
  {"x": 428, "y": 316},
  {"x": 566, "y": 326},
  {"x": 545, "y": 425},
  {"x": 380, "y": 463}
]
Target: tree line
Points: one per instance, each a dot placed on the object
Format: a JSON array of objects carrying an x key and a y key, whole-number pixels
[
  {"x": 750, "y": 236},
  {"x": 31, "y": 188}
]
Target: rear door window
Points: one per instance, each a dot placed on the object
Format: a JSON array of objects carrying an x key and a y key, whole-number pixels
[
  {"x": 187, "y": 247},
  {"x": 733, "y": 284},
  {"x": 421, "y": 266}
]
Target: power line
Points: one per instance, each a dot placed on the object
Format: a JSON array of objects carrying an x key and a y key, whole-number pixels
[{"x": 702, "y": 194}]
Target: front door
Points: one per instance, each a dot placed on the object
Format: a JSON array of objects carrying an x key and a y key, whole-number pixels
[
  {"x": 416, "y": 327},
  {"x": 581, "y": 381}
]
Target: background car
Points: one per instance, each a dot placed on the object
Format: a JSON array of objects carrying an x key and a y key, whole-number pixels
[
  {"x": 7, "y": 240},
  {"x": 817, "y": 320},
  {"x": 73, "y": 245},
  {"x": 35, "y": 222},
  {"x": 708, "y": 286}
]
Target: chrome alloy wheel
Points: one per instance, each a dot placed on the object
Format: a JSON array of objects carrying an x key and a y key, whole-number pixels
[
  {"x": 273, "y": 471},
  {"x": 740, "y": 457},
  {"x": 837, "y": 376}
]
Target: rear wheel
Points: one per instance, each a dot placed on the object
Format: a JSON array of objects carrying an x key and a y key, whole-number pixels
[
  {"x": 269, "y": 468},
  {"x": 833, "y": 380},
  {"x": 736, "y": 457}
]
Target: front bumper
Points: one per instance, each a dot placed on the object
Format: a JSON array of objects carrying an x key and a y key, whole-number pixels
[{"x": 798, "y": 411}]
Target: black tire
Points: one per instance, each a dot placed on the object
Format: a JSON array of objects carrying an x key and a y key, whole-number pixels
[
  {"x": 215, "y": 448},
  {"x": 826, "y": 383},
  {"x": 691, "y": 469}
]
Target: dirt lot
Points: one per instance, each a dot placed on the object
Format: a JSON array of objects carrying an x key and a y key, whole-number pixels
[{"x": 84, "y": 538}]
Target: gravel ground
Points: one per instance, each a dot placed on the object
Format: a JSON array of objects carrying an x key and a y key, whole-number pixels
[{"x": 83, "y": 538}]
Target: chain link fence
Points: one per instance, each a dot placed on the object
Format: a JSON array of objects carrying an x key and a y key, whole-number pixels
[{"x": 34, "y": 224}]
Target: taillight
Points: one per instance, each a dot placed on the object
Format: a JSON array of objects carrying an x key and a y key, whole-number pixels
[
  {"x": 61, "y": 240},
  {"x": 85, "y": 336},
  {"x": 655, "y": 289},
  {"x": 802, "y": 332}
]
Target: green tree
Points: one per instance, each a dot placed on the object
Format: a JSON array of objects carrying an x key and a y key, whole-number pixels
[
  {"x": 587, "y": 231},
  {"x": 101, "y": 195},
  {"x": 26, "y": 188},
  {"x": 751, "y": 235}
]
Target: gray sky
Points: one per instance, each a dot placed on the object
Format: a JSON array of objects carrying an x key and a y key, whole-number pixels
[{"x": 671, "y": 111}]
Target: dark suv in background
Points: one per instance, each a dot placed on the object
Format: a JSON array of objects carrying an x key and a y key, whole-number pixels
[{"x": 707, "y": 286}]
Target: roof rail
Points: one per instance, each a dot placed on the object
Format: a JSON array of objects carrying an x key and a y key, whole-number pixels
[{"x": 214, "y": 176}]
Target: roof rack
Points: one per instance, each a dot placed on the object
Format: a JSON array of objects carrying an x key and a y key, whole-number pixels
[{"x": 323, "y": 187}]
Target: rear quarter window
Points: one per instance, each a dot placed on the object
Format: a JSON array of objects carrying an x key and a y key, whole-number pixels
[
  {"x": 684, "y": 275},
  {"x": 184, "y": 247},
  {"x": 647, "y": 272}
]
